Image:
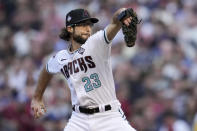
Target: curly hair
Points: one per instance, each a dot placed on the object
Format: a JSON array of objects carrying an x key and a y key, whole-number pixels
[{"x": 64, "y": 34}]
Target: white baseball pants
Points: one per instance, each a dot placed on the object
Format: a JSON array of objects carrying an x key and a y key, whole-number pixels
[{"x": 113, "y": 120}]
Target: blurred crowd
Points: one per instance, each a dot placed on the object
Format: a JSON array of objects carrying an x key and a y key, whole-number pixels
[{"x": 155, "y": 80}]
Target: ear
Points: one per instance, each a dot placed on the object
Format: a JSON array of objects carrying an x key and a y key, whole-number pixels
[{"x": 69, "y": 29}]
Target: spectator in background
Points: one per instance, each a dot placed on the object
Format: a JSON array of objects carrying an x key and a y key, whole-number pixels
[{"x": 171, "y": 123}]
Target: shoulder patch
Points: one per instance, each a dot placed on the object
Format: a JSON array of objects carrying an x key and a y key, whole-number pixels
[{"x": 81, "y": 50}]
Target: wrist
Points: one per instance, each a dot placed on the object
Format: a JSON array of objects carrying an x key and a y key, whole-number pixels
[
  {"x": 117, "y": 13},
  {"x": 36, "y": 97}
]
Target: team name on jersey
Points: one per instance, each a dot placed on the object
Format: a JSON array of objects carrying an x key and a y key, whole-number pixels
[{"x": 80, "y": 64}]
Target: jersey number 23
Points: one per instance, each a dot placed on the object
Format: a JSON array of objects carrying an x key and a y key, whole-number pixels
[{"x": 91, "y": 85}]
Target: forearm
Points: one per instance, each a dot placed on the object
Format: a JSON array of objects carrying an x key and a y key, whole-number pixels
[
  {"x": 115, "y": 25},
  {"x": 43, "y": 81}
]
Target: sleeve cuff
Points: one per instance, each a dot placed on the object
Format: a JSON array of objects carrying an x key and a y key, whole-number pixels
[
  {"x": 105, "y": 36},
  {"x": 47, "y": 68}
]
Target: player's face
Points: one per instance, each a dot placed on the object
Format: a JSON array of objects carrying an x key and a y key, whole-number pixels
[{"x": 82, "y": 32}]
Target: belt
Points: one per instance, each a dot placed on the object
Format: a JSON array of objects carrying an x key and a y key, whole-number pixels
[{"x": 91, "y": 110}]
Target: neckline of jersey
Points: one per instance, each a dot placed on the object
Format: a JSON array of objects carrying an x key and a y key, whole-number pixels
[{"x": 68, "y": 49}]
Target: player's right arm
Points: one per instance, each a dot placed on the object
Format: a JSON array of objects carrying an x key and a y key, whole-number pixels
[
  {"x": 52, "y": 67},
  {"x": 37, "y": 104}
]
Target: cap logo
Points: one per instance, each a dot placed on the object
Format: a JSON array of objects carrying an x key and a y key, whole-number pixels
[
  {"x": 85, "y": 13},
  {"x": 69, "y": 18}
]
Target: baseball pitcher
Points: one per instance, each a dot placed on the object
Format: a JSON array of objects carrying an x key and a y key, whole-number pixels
[{"x": 87, "y": 68}]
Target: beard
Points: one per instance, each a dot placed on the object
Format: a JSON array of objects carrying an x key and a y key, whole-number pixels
[{"x": 79, "y": 39}]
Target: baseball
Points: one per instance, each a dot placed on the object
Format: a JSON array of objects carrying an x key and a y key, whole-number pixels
[{"x": 42, "y": 111}]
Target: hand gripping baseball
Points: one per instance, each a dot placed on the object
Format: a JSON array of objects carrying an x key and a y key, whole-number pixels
[
  {"x": 38, "y": 108},
  {"x": 129, "y": 21}
]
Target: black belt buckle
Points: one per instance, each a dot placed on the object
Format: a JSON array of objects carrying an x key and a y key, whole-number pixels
[{"x": 93, "y": 110}]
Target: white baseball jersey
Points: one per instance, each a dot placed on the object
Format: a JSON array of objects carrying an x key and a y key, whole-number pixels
[{"x": 87, "y": 70}]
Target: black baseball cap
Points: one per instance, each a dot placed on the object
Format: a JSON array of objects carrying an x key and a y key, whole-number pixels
[{"x": 78, "y": 16}]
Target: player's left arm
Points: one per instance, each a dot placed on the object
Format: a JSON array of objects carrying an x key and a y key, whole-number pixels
[{"x": 115, "y": 25}]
